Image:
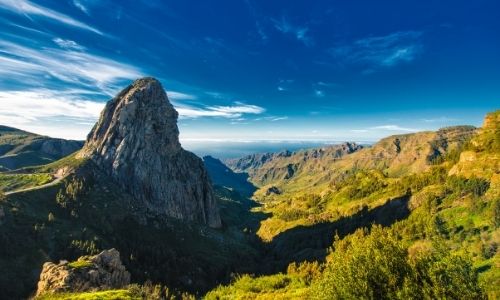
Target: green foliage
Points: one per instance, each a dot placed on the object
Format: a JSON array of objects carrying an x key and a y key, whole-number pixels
[
  {"x": 93, "y": 214},
  {"x": 10, "y": 182},
  {"x": 377, "y": 266},
  {"x": 495, "y": 213},
  {"x": 75, "y": 188},
  {"x": 364, "y": 267},
  {"x": 81, "y": 247},
  {"x": 452, "y": 155},
  {"x": 79, "y": 264},
  {"x": 451, "y": 221},
  {"x": 20, "y": 149},
  {"x": 463, "y": 186},
  {"x": 416, "y": 182},
  {"x": 101, "y": 295},
  {"x": 291, "y": 214},
  {"x": 439, "y": 275},
  {"x": 132, "y": 292},
  {"x": 266, "y": 287},
  {"x": 359, "y": 184},
  {"x": 306, "y": 271}
]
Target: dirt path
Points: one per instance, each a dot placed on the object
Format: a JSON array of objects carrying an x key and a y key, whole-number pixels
[{"x": 54, "y": 182}]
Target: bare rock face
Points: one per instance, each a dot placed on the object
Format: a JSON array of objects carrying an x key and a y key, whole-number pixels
[
  {"x": 89, "y": 273},
  {"x": 136, "y": 142}
]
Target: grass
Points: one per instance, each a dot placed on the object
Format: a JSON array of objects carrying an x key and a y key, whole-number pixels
[
  {"x": 272, "y": 287},
  {"x": 80, "y": 264},
  {"x": 10, "y": 182},
  {"x": 100, "y": 295}
]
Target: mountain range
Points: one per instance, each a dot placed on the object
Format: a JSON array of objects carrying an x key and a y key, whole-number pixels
[{"x": 414, "y": 215}]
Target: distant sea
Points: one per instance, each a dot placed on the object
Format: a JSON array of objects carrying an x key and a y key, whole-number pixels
[{"x": 228, "y": 149}]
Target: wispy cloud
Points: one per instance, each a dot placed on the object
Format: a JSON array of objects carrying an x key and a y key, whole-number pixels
[
  {"x": 380, "y": 129},
  {"x": 272, "y": 118},
  {"x": 173, "y": 95},
  {"x": 59, "y": 114},
  {"x": 285, "y": 84},
  {"x": 68, "y": 44},
  {"x": 394, "y": 128},
  {"x": 27, "y": 8},
  {"x": 67, "y": 113},
  {"x": 298, "y": 32},
  {"x": 258, "y": 23},
  {"x": 319, "y": 93},
  {"x": 381, "y": 51},
  {"x": 35, "y": 104},
  {"x": 439, "y": 120},
  {"x": 237, "y": 110},
  {"x": 70, "y": 66},
  {"x": 78, "y": 4}
]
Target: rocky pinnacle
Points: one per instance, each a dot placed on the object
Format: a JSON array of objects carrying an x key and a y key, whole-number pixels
[{"x": 136, "y": 142}]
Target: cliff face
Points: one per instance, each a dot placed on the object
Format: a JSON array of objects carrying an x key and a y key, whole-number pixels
[{"x": 136, "y": 142}]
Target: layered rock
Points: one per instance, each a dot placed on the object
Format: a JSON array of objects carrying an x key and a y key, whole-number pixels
[
  {"x": 136, "y": 142},
  {"x": 89, "y": 273}
]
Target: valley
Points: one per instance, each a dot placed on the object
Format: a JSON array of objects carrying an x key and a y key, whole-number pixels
[{"x": 416, "y": 215}]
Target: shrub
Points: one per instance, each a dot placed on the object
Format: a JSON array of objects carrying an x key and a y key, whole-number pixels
[
  {"x": 377, "y": 266},
  {"x": 463, "y": 186}
]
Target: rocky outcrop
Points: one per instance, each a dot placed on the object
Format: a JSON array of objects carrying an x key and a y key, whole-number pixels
[
  {"x": 136, "y": 142},
  {"x": 89, "y": 273},
  {"x": 273, "y": 191},
  {"x": 482, "y": 158}
]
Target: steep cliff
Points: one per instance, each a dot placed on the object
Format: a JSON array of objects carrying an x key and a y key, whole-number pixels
[{"x": 136, "y": 142}]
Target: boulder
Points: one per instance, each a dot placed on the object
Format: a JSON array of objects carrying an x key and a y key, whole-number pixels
[{"x": 89, "y": 273}]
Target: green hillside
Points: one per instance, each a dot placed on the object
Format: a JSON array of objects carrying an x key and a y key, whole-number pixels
[
  {"x": 412, "y": 217},
  {"x": 453, "y": 208},
  {"x": 86, "y": 213},
  {"x": 20, "y": 149}
]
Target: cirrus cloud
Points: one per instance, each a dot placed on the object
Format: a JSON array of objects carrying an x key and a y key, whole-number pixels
[
  {"x": 381, "y": 51},
  {"x": 28, "y": 8}
]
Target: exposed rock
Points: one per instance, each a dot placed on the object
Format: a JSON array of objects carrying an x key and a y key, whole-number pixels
[
  {"x": 270, "y": 168},
  {"x": 89, "y": 273},
  {"x": 483, "y": 158},
  {"x": 136, "y": 142},
  {"x": 273, "y": 191}
]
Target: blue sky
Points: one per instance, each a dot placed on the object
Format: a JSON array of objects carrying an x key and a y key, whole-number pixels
[{"x": 254, "y": 70}]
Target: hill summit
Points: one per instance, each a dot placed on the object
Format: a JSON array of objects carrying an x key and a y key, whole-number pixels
[{"x": 136, "y": 142}]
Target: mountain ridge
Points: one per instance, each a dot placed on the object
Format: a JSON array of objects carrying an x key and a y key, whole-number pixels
[{"x": 19, "y": 148}]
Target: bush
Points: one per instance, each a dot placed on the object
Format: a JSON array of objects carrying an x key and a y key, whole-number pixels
[
  {"x": 463, "y": 186},
  {"x": 377, "y": 266}
]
